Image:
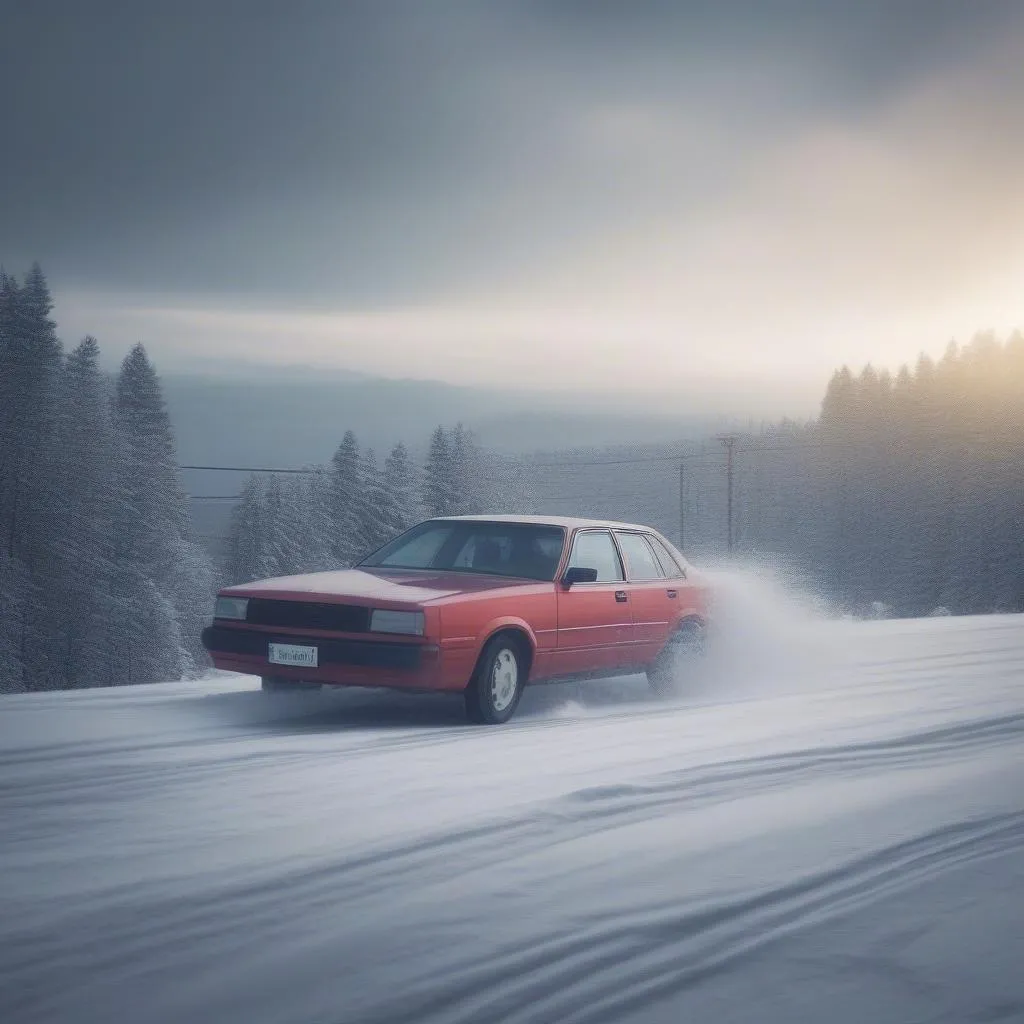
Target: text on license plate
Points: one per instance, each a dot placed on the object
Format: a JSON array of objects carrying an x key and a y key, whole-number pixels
[{"x": 292, "y": 654}]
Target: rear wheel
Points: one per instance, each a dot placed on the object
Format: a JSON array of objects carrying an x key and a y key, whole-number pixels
[
  {"x": 497, "y": 684},
  {"x": 678, "y": 661}
]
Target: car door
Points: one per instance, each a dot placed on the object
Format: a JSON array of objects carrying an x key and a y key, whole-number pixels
[
  {"x": 649, "y": 600},
  {"x": 594, "y": 620}
]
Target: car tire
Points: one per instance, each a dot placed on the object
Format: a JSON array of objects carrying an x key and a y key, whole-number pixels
[
  {"x": 497, "y": 685},
  {"x": 678, "y": 659}
]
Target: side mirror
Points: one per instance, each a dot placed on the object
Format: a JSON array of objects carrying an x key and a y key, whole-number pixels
[{"x": 578, "y": 574}]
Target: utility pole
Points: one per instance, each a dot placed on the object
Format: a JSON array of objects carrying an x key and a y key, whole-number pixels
[
  {"x": 682, "y": 514},
  {"x": 729, "y": 440}
]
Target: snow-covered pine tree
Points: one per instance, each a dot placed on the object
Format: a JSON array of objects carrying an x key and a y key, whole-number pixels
[
  {"x": 85, "y": 541},
  {"x": 247, "y": 536},
  {"x": 399, "y": 495},
  {"x": 345, "y": 485},
  {"x": 9, "y": 317},
  {"x": 14, "y": 585},
  {"x": 163, "y": 573},
  {"x": 13, "y": 575},
  {"x": 30, "y": 363},
  {"x": 460, "y": 443},
  {"x": 469, "y": 477},
  {"x": 373, "y": 530},
  {"x": 314, "y": 493},
  {"x": 439, "y": 497},
  {"x": 280, "y": 527},
  {"x": 285, "y": 515},
  {"x": 277, "y": 557}
]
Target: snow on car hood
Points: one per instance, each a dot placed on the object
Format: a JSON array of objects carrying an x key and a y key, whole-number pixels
[{"x": 378, "y": 585}]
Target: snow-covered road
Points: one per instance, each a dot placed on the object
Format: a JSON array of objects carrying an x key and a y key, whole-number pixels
[{"x": 830, "y": 828}]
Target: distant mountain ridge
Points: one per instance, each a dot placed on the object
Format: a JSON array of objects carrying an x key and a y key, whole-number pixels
[{"x": 261, "y": 419}]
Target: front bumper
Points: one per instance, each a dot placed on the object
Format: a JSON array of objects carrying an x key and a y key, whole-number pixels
[{"x": 403, "y": 664}]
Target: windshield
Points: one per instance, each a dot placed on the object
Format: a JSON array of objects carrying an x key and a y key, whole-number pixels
[{"x": 520, "y": 550}]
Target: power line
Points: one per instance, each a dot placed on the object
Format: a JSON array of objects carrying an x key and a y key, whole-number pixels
[
  {"x": 622, "y": 462},
  {"x": 636, "y": 460},
  {"x": 686, "y": 456},
  {"x": 253, "y": 469},
  {"x": 680, "y": 458},
  {"x": 239, "y": 497},
  {"x": 559, "y": 464},
  {"x": 526, "y": 461}
]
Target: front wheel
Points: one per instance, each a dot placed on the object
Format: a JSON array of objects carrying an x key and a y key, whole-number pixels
[
  {"x": 678, "y": 661},
  {"x": 497, "y": 684}
]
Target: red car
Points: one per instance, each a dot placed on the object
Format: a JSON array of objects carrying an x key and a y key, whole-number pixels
[{"x": 474, "y": 604}]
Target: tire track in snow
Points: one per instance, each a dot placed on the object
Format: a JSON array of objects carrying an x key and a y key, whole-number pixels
[
  {"x": 626, "y": 962},
  {"x": 131, "y": 918}
]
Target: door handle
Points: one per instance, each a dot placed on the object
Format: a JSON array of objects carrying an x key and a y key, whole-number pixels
[
  {"x": 672, "y": 594},
  {"x": 620, "y": 596}
]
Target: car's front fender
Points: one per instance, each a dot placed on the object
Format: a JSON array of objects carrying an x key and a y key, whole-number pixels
[{"x": 507, "y": 622}]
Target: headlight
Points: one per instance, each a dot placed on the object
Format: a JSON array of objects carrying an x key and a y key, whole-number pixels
[
  {"x": 231, "y": 608},
  {"x": 384, "y": 621}
]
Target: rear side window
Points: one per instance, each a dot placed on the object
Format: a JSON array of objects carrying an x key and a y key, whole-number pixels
[
  {"x": 594, "y": 549},
  {"x": 669, "y": 565},
  {"x": 640, "y": 560}
]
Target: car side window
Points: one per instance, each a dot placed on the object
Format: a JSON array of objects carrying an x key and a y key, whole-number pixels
[
  {"x": 669, "y": 565},
  {"x": 595, "y": 549},
  {"x": 640, "y": 558}
]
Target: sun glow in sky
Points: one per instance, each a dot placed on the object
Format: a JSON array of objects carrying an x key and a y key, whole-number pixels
[{"x": 640, "y": 201}]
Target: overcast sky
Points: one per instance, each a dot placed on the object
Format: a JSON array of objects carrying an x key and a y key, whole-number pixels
[{"x": 632, "y": 196}]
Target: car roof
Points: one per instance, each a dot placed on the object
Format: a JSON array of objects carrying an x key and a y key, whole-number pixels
[{"x": 569, "y": 522}]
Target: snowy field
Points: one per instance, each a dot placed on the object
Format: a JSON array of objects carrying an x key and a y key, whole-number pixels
[{"x": 829, "y": 827}]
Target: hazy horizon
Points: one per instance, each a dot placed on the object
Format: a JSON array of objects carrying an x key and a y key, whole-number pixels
[{"x": 740, "y": 397}]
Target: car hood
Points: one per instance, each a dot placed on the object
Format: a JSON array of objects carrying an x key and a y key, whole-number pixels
[{"x": 366, "y": 585}]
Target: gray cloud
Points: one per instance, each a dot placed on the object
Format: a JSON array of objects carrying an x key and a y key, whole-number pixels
[{"x": 375, "y": 152}]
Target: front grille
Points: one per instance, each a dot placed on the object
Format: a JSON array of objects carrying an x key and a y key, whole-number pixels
[
  {"x": 340, "y": 618},
  {"x": 363, "y": 653}
]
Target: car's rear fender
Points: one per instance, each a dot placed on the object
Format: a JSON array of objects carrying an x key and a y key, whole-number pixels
[{"x": 688, "y": 616}]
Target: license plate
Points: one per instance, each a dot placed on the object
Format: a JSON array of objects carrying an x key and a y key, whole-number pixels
[{"x": 291, "y": 654}]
